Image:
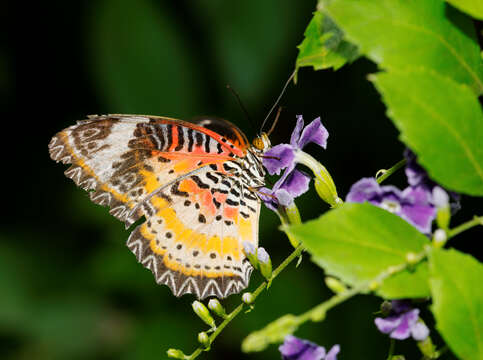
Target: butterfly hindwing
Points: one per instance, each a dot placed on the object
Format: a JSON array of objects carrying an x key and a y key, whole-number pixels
[
  {"x": 178, "y": 176},
  {"x": 192, "y": 238}
]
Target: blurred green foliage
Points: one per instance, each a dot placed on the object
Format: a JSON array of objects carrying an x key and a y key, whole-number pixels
[{"x": 69, "y": 287}]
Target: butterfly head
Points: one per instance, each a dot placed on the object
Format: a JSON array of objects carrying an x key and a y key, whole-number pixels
[{"x": 261, "y": 142}]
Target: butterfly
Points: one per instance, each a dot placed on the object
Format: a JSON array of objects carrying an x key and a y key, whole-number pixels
[{"x": 194, "y": 183}]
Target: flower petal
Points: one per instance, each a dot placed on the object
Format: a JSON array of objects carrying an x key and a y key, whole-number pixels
[
  {"x": 419, "y": 331},
  {"x": 440, "y": 197},
  {"x": 294, "y": 138},
  {"x": 283, "y": 197},
  {"x": 314, "y": 132},
  {"x": 421, "y": 216},
  {"x": 296, "y": 183},
  {"x": 284, "y": 157},
  {"x": 363, "y": 190},
  {"x": 416, "y": 195},
  {"x": 265, "y": 195},
  {"x": 415, "y": 173},
  {"x": 313, "y": 353},
  {"x": 332, "y": 354},
  {"x": 386, "y": 325},
  {"x": 292, "y": 347},
  {"x": 403, "y": 330}
]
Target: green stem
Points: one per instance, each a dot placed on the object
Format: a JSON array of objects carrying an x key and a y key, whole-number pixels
[
  {"x": 389, "y": 172},
  {"x": 477, "y": 220},
  {"x": 318, "y": 312},
  {"x": 391, "y": 349},
  {"x": 239, "y": 308}
]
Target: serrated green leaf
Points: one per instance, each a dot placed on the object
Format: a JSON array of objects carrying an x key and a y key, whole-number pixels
[
  {"x": 441, "y": 121},
  {"x": 324, "y": 46},
  {"x": 471, "y": 7},
  {"x": 357, "y": 242},
  {"x": 455, "y": 281},
  {"x": 400, "y": 34}
]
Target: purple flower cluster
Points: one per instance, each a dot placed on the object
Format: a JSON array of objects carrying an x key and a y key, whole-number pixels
[
  {"x": 412, "y": 204},
  {"x": 402, "y": 322},
  {"x": 292, "y": 183},
  {"x": 294, "y": 348},
  {"x": 417, "y": 204}
]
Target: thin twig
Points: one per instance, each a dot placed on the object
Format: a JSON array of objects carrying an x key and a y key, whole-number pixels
[
  {"x": 389, "y": 172},
  {"x": 477, "y": 220}
]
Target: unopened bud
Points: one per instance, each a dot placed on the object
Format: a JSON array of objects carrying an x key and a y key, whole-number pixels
[
  {"x": 200, "y": 309},
  {"x": 411, "y": 258},
  {"x": 325, "y": 188},
  {"x": 443, "y": 216},
  {"x": 443, "y": 210},
  {"x": 386, "y": 307},
  {"x": 335, "y": 285},
  {"x": 264, "y": 263},
  {"x": 215, "y": 306},
  {"x": 203, "y": 338},
  {"x": 251, "y": 253},
  {"x": 292, "y": 216},
  {"x": 175, "y": 354},
  {"x": 324, "y": 185},
  {"x": 247, "y": 298},
  {"x": 439, "y": 238}
]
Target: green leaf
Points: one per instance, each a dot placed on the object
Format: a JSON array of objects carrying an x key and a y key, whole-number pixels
[
  {"x": 324, "y": 46},
  {"x": 400, "y": 34},
  {"x": 472, "y": 7},
  {"x": 133, "y": 47},
  {"x": 455, "y": 281},
  {"x": 441, "y": 121},
  {"x": 357, "y": 242}
]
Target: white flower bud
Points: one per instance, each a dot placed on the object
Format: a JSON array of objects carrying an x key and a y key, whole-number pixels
[
  {"x": 265, "y": 263},
  {"x": 203, "y": 338},
  {"x": 247, "y": 298},
  {"x": 215, "y": 306},
  {"x": 200, "y": 309},
  {"x": 439, "y": 238},
  {"x": 251, "y": 253}
]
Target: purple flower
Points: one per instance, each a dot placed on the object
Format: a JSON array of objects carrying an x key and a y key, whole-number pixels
[
  {"x": 283, "y": 156},
  {"x": 412, "y": 204},
  {"x": 294, "y": 348},
  {"x": 418, "y": 177},
  {"x": 288, "y": 187},
  {"x": 403, "y": 322},
  {"x": 293, "y": 183}
]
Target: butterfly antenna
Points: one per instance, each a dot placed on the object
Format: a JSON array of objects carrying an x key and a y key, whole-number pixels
[
  {"x": 275, "y": 121},
  {"x": 252, "y": 124},
  {"x": 278, "y": 99}
]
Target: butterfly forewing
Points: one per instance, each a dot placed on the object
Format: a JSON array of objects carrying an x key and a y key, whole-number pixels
[{"x": 188, "y": 182}]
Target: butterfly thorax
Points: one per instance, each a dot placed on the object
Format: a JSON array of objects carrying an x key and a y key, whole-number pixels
[{"x": 251, "y": 171}]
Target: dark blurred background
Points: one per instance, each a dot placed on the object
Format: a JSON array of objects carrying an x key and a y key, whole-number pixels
[{"x": 69, "y": 287}]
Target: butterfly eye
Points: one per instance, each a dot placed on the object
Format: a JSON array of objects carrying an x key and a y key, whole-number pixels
[
  {"x": 261, "y": 142},
  {"x": 258, "y": 143}
]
